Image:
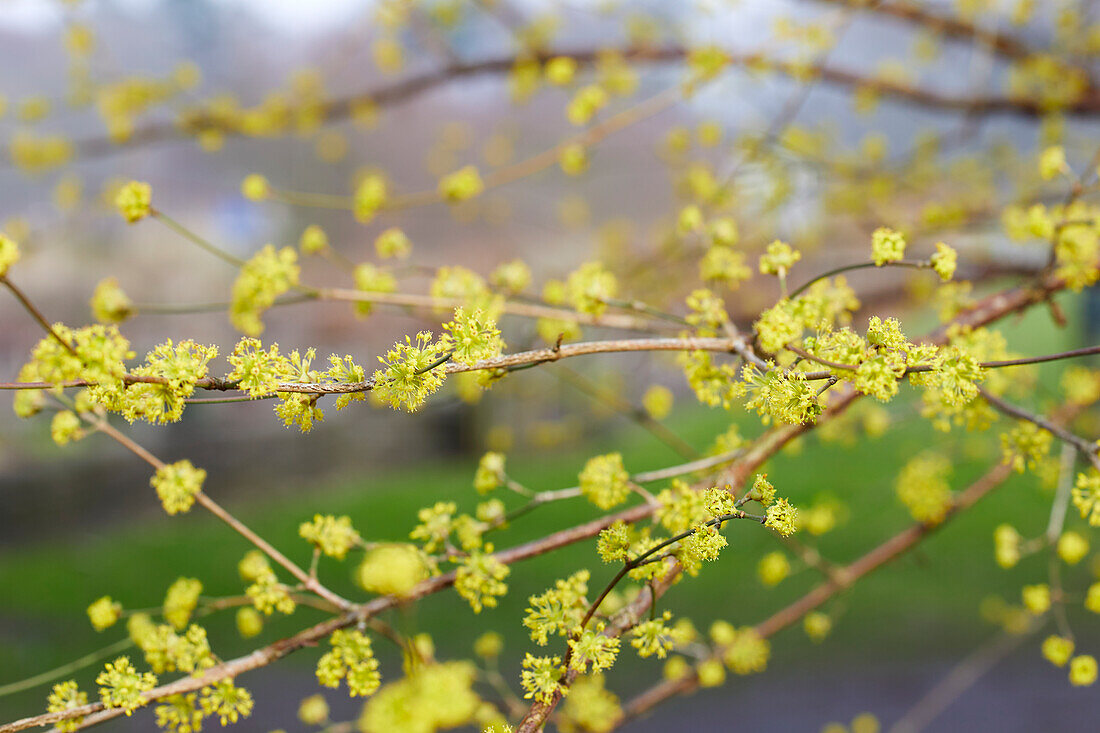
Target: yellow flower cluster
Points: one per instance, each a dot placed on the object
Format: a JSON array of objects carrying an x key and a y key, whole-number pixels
[
  {"x": 557, "y": 610},
  {"x": 180, "y": 601},
  {"x": 922, "y": 487},
  {"x": 64, "y": 697},
  {"x": 104, "y": 612},
  {"x": 604, "y": 481},
  {"x": 392, "y": 569},
  {"x": 479, "y": 578},
  {"x": 887, "y": 245},
  {"x": 266, "y": 276},
  {"x": 490, "y": 472},
  {"x": 412, "y": 371},
  {"x": 177, "y": 484},
  {"x": 333, "y": 536},
  {"x": 589, "y": 287},
  {"x": 109, "y": 303},
  {"x": 351, "y": 659},
  {"x": 9, "y": 253},
  {"x": 122, "y": 686},
  {"x": 133, "y": 201},
  {"x": 461, "y": 185},
  {"x": 471, "y": 336},
  {"x": 433, "y": 697}
]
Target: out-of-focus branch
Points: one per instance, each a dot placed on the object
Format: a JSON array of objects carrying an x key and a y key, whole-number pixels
[
  {"x": 392, "y": 94},
  {"x": 844, "y": 577}
]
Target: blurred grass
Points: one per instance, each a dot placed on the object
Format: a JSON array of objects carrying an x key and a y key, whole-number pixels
[{"x": 922, "y": 605}]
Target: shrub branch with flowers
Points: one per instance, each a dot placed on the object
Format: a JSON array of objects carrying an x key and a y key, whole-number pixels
[{"x": 804, "y": 361}]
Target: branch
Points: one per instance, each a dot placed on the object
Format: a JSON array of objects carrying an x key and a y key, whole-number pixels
[
  {"x": 1085, "y": 448},
  {"x": 395, "y": 93},
  {"x": 308, "y": 581},
  {"x": 991, "y": 309},
  {"x": 844, "y": 578}
]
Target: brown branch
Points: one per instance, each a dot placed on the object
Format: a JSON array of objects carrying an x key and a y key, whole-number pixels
[
  {"x": 1086, "y": 448},
  {"x": 535, "y": 356},
  {"x": 36, "y": 314},
  {"x": 774, "y": 439},
  {"x": 992, "y": 308},
  {"x": 308, "y": 581},
  {"x": 337, "y": 109},
  {"x": 1003, "y": 44},
  {"x": 529, "y": 310},
  {"x": 843, "y": 578}
]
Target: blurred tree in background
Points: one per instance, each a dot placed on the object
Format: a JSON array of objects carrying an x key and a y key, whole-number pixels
[{"x": 642, "y": 275}]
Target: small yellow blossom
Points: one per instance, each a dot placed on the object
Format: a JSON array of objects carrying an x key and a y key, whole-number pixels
[
  {"x": 773, "y": 568},
  {"x": 64, "y": 697},
  {"x": 887, "y": 245},
  {"x": 1057, "y": 650},
  {"x": 944, "y": 261},
  {"x": 9, "y": 253},
  {"x": 604, "y": 481},
  {"x": 817, "y": 626},
  {"x": 392, "y": 569},
  {"x": 121, "y": 686},
  {"x": 1072, "y": 547},
  {"x": 104, "y": 613},
  {"x": 1082, "y": 670},
  {"x": 1036, "y": 598},
  {"x": 782, "y": 517},
  {"x": 109, "y": 303},
  {"x": 133, "y": 201},
  {"x": 779, "y": 259},
  {"x": 393, "y": 243},
  {"x": 177, "y": 484},
  {"x": 1052, "y": 162},
  {"x": 461, "y": 185},
  {"x": 255, "y": 187},
  {"x": 334, "y": 536},
  {"x": 560, "y": 71},
  {"x": 249, "y": 622},
  {"x": 313, "y": 240}
]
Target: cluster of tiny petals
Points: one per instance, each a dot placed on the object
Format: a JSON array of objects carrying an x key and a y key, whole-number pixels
[
  {"x": 604, "y": 481},
  {"x": 558, "y": 610},
  {"x": 1086, "y": 497},
  {"x": 122, "y": 686},
  {"x": 887, "y": 246},
  {"x": 180, "y": 601},
  {"x": 226, "y": 701},
  {"x": 589, "y": 287},
  {"x": 412, "y": 371},
  {"x": 461, "y": 185},
  {"x": 592, "y": 648},
  {"x": 64, "y": 697},
  {"x": 133, "y": 201},
  {"x": 104, "y": 612},
  {"x": 392, "y": 569},
  {"x": 9, "y": 253},
  {"x": 778, "y": 259},
  {"x": 944, "y": 261},
  {"x": 262, "y": 279},
  {"x": 922, "y": 487},
  {"x": 653, "y": 637},
  {"x": 782, "y": 517},
  {"x": 471, "y": 337},
  {"x": 351, "y": 659},
  {"x": 480, "y": 579},
  {"x": 109, "y": 303},
  {"x": 490, "y": 472},
  {"x": 177, "y": 484},
  {"x": 334, "y": 536},
  {"x": 540, "y": 678}
]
